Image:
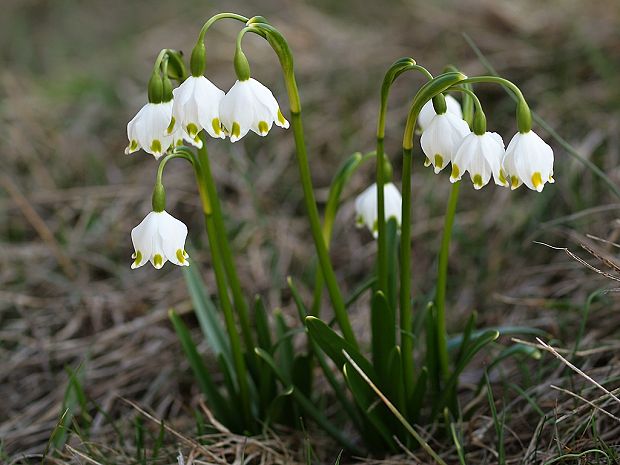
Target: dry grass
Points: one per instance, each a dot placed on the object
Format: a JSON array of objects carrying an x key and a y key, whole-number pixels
[{"x": 68, "y": 198}]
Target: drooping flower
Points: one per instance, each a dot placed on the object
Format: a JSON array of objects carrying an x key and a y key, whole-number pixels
[
  {"x": 366, "y": 206},
  {"x": 159, "y": 238},
  {"x": 442, "y": 138},
  {"x": 529, "y": 161},
  {"x": 151, "y": 129},
  {"x": 249, "y": 105},
  {"x": 428, "y": 111},
  {"x": 196, "y": 107},
  {"x": 481, "y": 156}
]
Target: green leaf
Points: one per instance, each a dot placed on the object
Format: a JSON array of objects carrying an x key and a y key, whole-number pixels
[
  {"x": 392, "y": 242},
  {"x": 333, "y": 344},
  {"x": 302, "y": 373},
  {"x": 262, "y": 325},
  {"x": 419, "y": 393},
  {"x": 456, "y": 341},
  {"x": 302, "y": 311},
  {"x": 368, "y": 283},
  {"x": 383, "y": 330},
  {"x": 395, "y": 382},
  {"x": 284, "y": 346},
  {"x": 306, "y": 405},
  {"x": 207, "y": 314},
  {"x": 221, "y": 408},
  {"x": 476, "y": 345},
  {"x": 372, "y": 410}
]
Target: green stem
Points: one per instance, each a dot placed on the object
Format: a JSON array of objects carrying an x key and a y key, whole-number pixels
[
  {"x": 178, "y": 153},
  {"x": 406, "y": 313},
  {"x": 205, "y": 184},
  {"x": 222, "y": 240},
  {"x": 426, "y": 93},
  {"x": 399, "y": 67},
  {"x": 217, "y": 17},
  {"x": 442, "y": 280},
  {"x": 282, "y": 50}
]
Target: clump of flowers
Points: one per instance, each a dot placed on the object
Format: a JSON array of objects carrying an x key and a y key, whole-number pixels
[{"x": 265, "y": 378}]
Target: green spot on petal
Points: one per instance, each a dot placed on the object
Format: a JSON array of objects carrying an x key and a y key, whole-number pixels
[
  {"x": 502, "y": 177},
  {"x": 537, "y": 180},
  {"x": 156, "y": 146},
  {"x": 158, "y": 260},
  {"x": 477, "y": 180},
  {"x": 192, "y": 130},
  {"x": 171, "y": 125},
  {"x": 216, "y": 126},
  {"x": 263, "y": 127},
  {"x": 133, "y": 145},
  {"x": 138, "y": 258},
  {"x": 236, "y": 129},
  {"x": 455, "y": 172},
  {"x": 180, "y": 256},
  {"x": 514, "y": 182},
  {"x": 438, "y": 161},
  {"x": 281, "y": 118}
]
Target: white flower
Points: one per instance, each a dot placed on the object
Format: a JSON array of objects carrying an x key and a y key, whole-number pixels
[
  {"x": 149, "y": 129},
  {"x": 250, "y": 105},
  {"x": 528, "y": 160},
  {"x": 481, "y": 156},
  {"x": 196, "y": 107},
  {"x": 366, "y": 206},
  {"x": 428, "y": 111},
  {"x": 441, "y": 139},
  {"x": 158, "y": 238}
]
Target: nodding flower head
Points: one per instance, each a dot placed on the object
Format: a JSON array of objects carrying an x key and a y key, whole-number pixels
[
  {"x": 196, "y": 107},
  {"x": 529, "y": 161},
  {"x": 366, "y": 207},
  {"x": 150, "y": 129},
  {"x": 441, "y": 139},
  {"x": 480, "y": 155},
  {"x": 428, "y": 111},
  {"x": 159, "y": 238},
  {"x": 249, "y": 105}
]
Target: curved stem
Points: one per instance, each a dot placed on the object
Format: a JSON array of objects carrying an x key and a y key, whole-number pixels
[
  {"x": 398, "y": 68},
  {"x": 171, "y": 156},
  {"x": 213, "y": 19},
  {"x": 282, "y": 50}
]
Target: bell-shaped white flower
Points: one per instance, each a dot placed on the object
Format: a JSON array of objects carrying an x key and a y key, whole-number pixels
[
  {"x": 366, "y": 207},
  {"x": 528, "y": 160},
  {"x": 196, "y": 107},
  {"x": 481, "y": 156},
  {"x": 250, "y": 105},
  {"x": 159, "y": 238},
  {"x": 428, "y": 111},
  {"x": 150, "y": 129},
  {"x": 442, "y": 138}
]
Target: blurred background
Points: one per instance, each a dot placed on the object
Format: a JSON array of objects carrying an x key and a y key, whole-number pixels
[{"x": 74, "y": 73}]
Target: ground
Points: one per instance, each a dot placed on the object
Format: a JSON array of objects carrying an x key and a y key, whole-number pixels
[{"x": 74, "y": 74}]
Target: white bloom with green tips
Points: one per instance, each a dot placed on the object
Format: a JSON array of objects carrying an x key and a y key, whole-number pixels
[
  {"x": 428, "y": 111},
  {"x": 159, "y": 238},
  {"x": 196, "y": 107},
  {"x": 366, "y": 206},
  {"x": 481, "y": 156},
  {"x": 148, "y": 130},
  {"x": 249, "y": 105},
  {"x": 442, "y": 138},
  {"x": 529, "y": 161}
]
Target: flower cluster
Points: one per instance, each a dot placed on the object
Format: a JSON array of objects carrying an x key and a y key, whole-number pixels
[
  {"x": 446, "y": 138},
  {"x": 174, "y": 115},
  {"x": 199, "y": 104}
]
